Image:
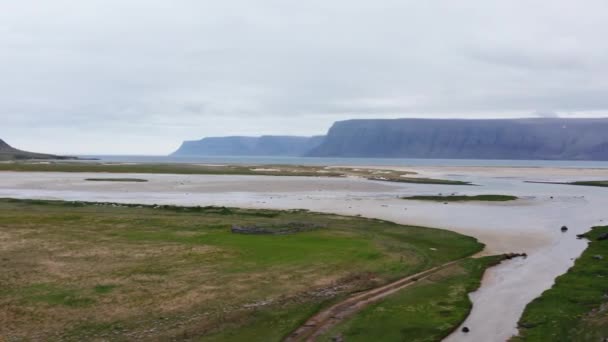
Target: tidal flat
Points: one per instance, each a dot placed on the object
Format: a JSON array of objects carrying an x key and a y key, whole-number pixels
[
  {"x": 530, "y": 225},
  {"x": 382, "y": 175}
]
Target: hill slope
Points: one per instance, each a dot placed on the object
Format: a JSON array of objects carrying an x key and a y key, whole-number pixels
[
  {"x": 7, "y": 152},
  {"x": 249, "y": 146},
  {"x": 556, "y": 139}
]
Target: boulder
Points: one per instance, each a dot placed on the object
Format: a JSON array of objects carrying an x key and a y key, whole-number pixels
[{"x": 510, "y": 256}]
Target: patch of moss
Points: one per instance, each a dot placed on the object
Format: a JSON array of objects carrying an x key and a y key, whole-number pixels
[{"x": 104, "y": 288}]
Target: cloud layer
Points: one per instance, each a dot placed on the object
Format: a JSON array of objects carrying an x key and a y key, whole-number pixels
[{"x": 140, "y": 76}]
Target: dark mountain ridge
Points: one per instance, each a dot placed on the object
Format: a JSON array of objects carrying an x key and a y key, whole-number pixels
[
  {"x": 542, "y": 138},
  {"x": 268, "y": 145}
]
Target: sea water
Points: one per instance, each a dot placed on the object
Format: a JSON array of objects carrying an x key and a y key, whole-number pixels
[{"x": 257, "y": 160}]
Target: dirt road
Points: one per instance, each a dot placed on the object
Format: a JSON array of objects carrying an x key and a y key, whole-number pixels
[{"x": 329, "y": 317}]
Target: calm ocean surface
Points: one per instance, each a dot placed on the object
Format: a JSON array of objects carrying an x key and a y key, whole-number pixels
[{"x": 349, "y": 161}]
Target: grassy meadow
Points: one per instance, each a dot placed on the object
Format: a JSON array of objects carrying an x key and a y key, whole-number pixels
[
  {"x": 85, "y": 271},
  {"x": 429, "y": 310},
  {"x": 574, "y": 309}
]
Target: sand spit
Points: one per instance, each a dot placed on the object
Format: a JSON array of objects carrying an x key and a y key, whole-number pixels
[{"x": 529, "y": 225}]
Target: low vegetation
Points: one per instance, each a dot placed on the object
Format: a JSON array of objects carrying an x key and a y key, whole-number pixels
[
  {"x": 429, "y": 310},
  {"x": 135, "y": 180},
  {"x": 574, "y": 309},
  {"x": 97, "y": 271},
  {"x": 591, "y": 183},
  {"x": 421, "y": 180},
  {"x": 602, "y": 183},
  {"x": 462, "y": 198},
  {"x": 201, "y": 169}
]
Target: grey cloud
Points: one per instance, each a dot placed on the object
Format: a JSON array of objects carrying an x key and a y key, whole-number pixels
[
  {"x": 153, "y": 73},
  {"x": 533, "y": 60}
]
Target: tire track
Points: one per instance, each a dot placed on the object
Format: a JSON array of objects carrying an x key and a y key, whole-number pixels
[{"x": 329, "y": 317}]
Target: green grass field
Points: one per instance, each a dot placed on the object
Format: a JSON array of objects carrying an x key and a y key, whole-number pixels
[
  {"x": 463, "y": 198},
  {"x": 574, "y": 309},
  {"x": 84, "y": 271},
  {"x": 427, "y": 311}
]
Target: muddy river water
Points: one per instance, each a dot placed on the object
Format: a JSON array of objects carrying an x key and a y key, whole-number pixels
[{"x": 530, "y": 224}]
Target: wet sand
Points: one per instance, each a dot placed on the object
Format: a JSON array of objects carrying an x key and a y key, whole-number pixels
[{"x": 531, "y": 224}]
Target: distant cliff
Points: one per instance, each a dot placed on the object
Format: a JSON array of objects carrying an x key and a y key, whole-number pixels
[
  {"x": 546, "y": 138},
  {"x": 249, "y": 146},
  {"x": 7, "y": 152}
]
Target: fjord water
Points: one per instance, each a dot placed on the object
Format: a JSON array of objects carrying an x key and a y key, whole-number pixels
[{"x": 316, "y": 161}]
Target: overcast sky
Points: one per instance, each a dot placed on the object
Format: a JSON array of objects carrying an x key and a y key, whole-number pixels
[{"x": 140, "y": 76}]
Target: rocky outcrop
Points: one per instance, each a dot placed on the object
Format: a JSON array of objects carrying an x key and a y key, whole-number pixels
[
  {"x": 249, "y": 146},
  {"x": 543, "y": 138}
]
